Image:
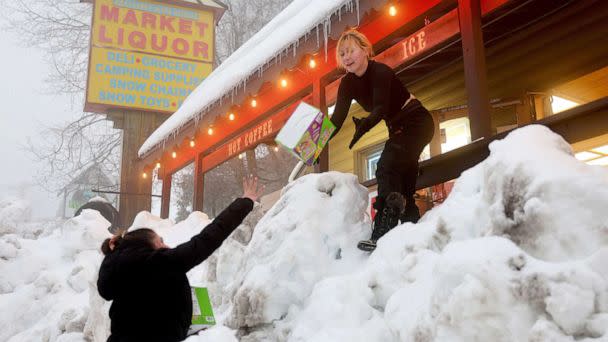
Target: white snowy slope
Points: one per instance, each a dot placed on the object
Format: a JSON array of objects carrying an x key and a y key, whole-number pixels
[{"x": 518, "y": 252}]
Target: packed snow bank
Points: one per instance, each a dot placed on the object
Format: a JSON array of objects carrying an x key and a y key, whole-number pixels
[
  {"x": 519, "y": 251},
  {"x": 13, "y": 211},
  {"x": 47, "y": 280}
]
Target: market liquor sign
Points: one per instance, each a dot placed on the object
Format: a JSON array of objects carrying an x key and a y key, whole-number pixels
[{"x": 147, "y": 55}]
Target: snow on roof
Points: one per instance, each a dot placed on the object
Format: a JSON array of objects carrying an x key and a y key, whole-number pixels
[
  {"x": 279, "y": 36},
  {"x": 209, "y": 3}
]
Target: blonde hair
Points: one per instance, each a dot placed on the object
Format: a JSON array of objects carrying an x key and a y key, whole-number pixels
[{"x": 358, "y": 38}]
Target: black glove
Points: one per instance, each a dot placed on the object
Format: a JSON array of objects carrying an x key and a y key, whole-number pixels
[
  {"x": 361, "y": 125},
  {"x": 357, "y": 122}
]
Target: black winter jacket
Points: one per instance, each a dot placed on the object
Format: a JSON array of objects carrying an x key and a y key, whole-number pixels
[{"x": 149, "y": 288}]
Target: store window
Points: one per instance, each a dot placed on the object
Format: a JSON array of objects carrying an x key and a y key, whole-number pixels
[
  {"x": 454, "y": 133},
  {"x": 560, "y": 104},
  {"x": 367, "y": 160},
  {"x": 594, "y": 156}
]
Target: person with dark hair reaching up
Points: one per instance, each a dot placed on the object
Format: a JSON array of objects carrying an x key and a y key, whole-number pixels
[
  {"x": 146, "y": 280},
  {"x": 377, "y": 89}
]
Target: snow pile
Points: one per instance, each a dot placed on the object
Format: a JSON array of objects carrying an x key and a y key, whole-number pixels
[
  {"x": 47, "y": 282},
  {"x": 519, "y": 251},
  {"x": 13, "y": 211}
]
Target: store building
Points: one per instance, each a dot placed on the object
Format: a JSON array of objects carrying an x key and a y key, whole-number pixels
[{"x": 482, "y": 67}]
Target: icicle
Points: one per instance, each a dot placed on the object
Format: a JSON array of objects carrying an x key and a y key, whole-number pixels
[
  {"x": 326, "y": 33},
  {"x": 317, "y": 35}
]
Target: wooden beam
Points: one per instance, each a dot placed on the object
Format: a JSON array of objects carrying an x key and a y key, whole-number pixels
[
  {"x": 469, "y": 12},
  {"x": 199, "y": 177},
  {"x": 138, "y": 125},
  {"x": 574, "y": 125},
  {"x": 166, "y": 196}
]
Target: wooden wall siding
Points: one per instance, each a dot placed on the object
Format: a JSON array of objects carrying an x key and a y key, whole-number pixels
[
  {"x": 340, "y": 157},
  {"x": 557, "y": 50}
]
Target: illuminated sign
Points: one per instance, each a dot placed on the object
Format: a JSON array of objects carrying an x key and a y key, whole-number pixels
[{"x": 147, "y": 54}]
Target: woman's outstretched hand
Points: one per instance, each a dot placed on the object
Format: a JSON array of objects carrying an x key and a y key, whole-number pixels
[{"x": 250, "y": 188}]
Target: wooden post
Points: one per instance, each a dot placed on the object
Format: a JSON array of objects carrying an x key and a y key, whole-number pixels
[
  {"x": 435, "y": 144},
  {"x": 319, "y": 100},
  {"x": 135, "y": 190},
  {"x": 523, "y": 111},
  {"x": 199, "y": 178},
  {"x": 166, "y": 196},
  {"x": 475, "y": 68}
]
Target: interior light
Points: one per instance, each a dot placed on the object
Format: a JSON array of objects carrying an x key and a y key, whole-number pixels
[
  {"x": 600, "y": 161},
  {"x": 585, "y": 155},
  {"x": 601, "y": 149}
]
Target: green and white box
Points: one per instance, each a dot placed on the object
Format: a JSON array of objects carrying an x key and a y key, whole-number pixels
[
  {"x": 306, "y": 133},
  {"x": 202, "y": 312}
]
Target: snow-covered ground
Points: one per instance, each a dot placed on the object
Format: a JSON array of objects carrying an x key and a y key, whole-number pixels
[{"x": 518, "y": 252}]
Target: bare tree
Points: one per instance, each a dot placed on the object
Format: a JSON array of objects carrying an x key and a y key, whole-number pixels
[
  {"x": 61, "y": 28},
  {"x": 242, "y": 20}
]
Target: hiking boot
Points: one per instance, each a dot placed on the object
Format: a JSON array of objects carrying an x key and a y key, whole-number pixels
[
  {"x": 386, "y": 219},
  {"x": 410, "y": 214}
]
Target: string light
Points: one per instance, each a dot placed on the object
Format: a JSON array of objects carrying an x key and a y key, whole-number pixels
[
  {"x": 276, "y": 149},
  {"x": 254, "y": 103},
  {"x": 392, "y": 11},
  {"x": 192, "y": 142},
  {"x": 173, "y": 154},
  {"x": 144, "y": 175},
  {"x": 158, "y": 165},
  {"x": 210, "y": 131},
  {"x": 241, "y": 156},
  {"x": 231, "y": 116},
  {"x": 283, "y": 83},
  {"x": 312, "y": 63}
]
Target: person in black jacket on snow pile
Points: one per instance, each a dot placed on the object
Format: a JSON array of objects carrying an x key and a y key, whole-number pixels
[
  {"x": 147, "y": 281},
  {"x": 377, "y": 89}
]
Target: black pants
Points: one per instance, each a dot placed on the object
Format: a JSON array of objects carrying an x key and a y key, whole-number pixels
[{"x": 398, "y": 165}]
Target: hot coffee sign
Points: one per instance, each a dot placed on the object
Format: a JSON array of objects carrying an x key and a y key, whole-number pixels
[{"x": 147, "y": 55}]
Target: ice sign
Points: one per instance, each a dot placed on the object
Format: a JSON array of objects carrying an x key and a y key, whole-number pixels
[{"x": 306, "y": 133}]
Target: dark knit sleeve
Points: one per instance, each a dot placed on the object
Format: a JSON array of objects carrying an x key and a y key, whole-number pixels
[
  {"x": 202, "y": 245},
  {"x": 343, "y": 102}
]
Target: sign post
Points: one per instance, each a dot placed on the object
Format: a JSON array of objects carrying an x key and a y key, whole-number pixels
[{"x": 145, "y": 58}]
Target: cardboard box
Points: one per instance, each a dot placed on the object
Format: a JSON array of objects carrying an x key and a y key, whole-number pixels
[
  {"x": 202, "y": 312},
  {"x": 306, "y": 133}
]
